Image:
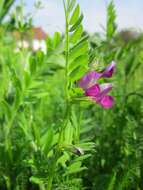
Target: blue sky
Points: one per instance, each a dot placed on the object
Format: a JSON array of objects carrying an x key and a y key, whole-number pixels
[{"x": 51, "y": 17}]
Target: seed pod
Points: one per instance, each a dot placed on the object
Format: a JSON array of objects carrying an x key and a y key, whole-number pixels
[{"x": 78, "y": 151}]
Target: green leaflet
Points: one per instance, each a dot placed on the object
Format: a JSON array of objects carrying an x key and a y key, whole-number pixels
[
  {"x": 57, "y": 39},
  {"x": 47, "y": 140},
  {"x": 63, "y": 159},
  {"x": 54, "y": 45},
  {"x": 71, "y": 4},
  {"x": 32, "y": 65},
  {"x": 1, "y": 6},
  {"x": 27, "y": 79},
  {"x": 79, "y": 61},
  {"x": 75, "y": 15},
  {"x": 78, "y": 73},
  {"x": 76, "y": 24},
  {"x": 18, "y": 98},
  {"x": 76, "y": 35},
  {"x": 36, "y": 134},
  {"x": 77, "y": 51},
  {"x": 15, "y": 79},
  {"x": 84, "y": 157},
  {"x": 49, "y": 44},
  {"x": 87, "y": 146},
  {"x": 7, "y": 109},
  {"x": 75, "y": 168},
  {"x": 111, "y": 185},
  {"x": 36, "y": 180},
  {"x": 80, "y": 41},
  {"x": 69, "y": 134},
  {"x": 56, "y": 59}
]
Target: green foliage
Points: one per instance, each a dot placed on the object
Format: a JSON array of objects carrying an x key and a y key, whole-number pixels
[
  {"x": 111, "y": 21},
  {"x": 48, "y": 135},
  {"x": 5, "y": 5},
  {"x": 117, "y": 162}
]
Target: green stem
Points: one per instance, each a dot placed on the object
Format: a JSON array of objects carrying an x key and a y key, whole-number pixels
[
  {"x": 67, "y": 51},
  {"x": 68, "y": 105},
  {"x": 58, "y": 148},
  {"x": 67, "y": 97}
]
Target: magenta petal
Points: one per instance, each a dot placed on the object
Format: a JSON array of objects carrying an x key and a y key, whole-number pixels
[
  {"x": 107, "y": 102},
  {"x": 93, "y": 91},
  {"x": 89, "y": 79},
  {"x": 108, "y": 72},
  {"x": 104, "y": 89}
]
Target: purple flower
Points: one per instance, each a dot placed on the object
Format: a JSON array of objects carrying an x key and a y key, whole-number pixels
[
  {"x": 102, "y": 98},
  {"x": 89, "y": 79},
  {"x": 110, "y": 69},
  {"x": 98, "y": 92}
]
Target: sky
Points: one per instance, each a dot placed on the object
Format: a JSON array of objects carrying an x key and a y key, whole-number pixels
[{"x": 51, "y": 16}]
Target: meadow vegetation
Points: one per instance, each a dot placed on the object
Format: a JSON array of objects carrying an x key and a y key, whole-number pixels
[{"x": 52, "y": 136}]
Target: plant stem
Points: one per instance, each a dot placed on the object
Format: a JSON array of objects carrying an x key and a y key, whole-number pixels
[
  {"x": 66, "y": 51},
  {"x": 68, "y": 105}
]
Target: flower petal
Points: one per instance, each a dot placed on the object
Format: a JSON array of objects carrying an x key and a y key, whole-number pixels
[
  {"x": 108, "y": 72},
  {"x": 107, "y": 102},
  {"x": 104, "y": 89},
  {"x": 101, "y": 97},
  {"x": 89, "y": 79},
  {"x": 93, "y": 91}
]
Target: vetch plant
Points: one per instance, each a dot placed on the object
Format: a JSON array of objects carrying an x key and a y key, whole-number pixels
[
  {"x": 43, "y": 136},
  {"x": 55, "y": 129},
  {"x": 76, "y": 65}
]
